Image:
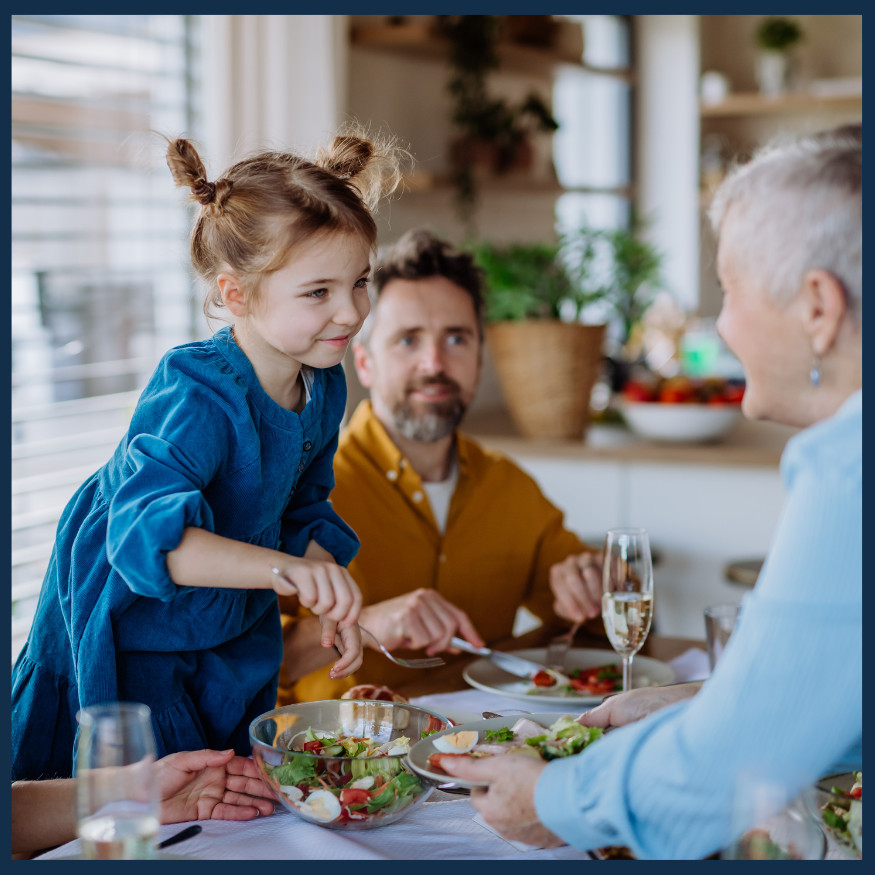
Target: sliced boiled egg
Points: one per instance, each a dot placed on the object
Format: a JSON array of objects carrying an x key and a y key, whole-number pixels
[
  {"x": 291, "y": 792},
  {"x": 456, "y": 742},
  {"x": 321, "y": 805}
]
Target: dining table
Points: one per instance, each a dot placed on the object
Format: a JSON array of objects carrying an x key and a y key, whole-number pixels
[{"x": 443, "y": 827}]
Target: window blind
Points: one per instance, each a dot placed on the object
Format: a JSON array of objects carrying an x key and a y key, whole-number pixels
[{"x": 100, "y": 277}]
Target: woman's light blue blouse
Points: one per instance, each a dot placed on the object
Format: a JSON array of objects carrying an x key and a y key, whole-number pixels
[
  {"x": 785, "y": 701},
  {"x": 206, "y": 447}
]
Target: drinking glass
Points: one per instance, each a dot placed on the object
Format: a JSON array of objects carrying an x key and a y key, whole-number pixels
[
  {"x": 627, "y": 593},
  {"x": 117, "y": 796},
  {"x": 771, "y": 824}
]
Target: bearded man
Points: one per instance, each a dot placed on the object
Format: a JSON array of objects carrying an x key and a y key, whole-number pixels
[{"x": 455, "y": 538}]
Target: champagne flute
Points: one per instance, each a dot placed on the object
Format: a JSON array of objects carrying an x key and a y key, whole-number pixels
[
  {"x": 627, "y": 593},
  {"x": 117, "y": 796}
]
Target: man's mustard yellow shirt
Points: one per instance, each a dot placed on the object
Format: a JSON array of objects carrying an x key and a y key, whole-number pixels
[{"x": 502, "y": 536}]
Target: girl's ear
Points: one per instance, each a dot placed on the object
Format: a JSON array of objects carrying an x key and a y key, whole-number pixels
[
  {"x": 232, "y": 294},
  {"x": 362, "y": 362}
]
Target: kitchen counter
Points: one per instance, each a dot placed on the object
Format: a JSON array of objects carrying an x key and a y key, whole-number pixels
[{"x": 756, "y": 444}]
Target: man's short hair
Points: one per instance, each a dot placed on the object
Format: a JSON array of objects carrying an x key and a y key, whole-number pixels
[{"x": 419, "y": 254}]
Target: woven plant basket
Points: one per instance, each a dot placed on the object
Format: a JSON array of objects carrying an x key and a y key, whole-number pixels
[{"x": 547, "y": 369}]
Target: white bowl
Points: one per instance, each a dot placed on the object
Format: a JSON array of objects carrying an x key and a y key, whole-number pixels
[{"x": 680, "y": 423}]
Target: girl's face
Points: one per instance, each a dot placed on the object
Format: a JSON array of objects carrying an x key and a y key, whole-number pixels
[{"x": 310, "y": 310}]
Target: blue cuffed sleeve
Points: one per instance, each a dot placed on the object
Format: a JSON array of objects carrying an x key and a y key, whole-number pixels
[{"x": 150, "y": 511}]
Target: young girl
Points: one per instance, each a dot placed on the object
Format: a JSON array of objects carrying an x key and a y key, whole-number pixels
[{"x": 162, "y": 585}]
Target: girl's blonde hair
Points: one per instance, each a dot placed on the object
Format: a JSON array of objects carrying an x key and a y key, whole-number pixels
[{"x": 253, "y": 215}]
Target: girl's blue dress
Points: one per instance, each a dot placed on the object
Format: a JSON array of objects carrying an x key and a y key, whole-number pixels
[{"x": 206, "y": 447}]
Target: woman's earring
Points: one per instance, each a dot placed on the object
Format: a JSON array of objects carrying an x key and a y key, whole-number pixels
[{"x": 814, "y": 374}]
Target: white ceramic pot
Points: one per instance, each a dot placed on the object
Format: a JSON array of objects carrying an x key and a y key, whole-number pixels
[{"x": 772, "y": 73}]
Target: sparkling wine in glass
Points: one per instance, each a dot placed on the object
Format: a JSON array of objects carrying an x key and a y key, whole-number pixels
[
  {"x": 627, "y": 593},
  {"x": 117, "y": 796}
]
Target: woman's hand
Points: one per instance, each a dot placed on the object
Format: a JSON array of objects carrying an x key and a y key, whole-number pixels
[
  {"x": 623, "y": 708},
  {"x": 210, "y": 785},
  {"x": 577, "y": 587},
  {"x": 508, "y": 804}
]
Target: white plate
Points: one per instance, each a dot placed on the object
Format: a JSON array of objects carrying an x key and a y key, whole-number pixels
[
  {"x": 454, "y": 715},
  {"x": 485, "y": 675},
  {"x": 422, "y": 750}
]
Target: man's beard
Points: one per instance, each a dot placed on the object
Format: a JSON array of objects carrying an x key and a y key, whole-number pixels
[{"x": 437, "y": 421}]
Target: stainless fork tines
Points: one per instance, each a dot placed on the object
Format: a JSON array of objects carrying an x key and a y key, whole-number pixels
[
  {"x": 558, "y": 648},
  {"x": 428, "y": 662}
]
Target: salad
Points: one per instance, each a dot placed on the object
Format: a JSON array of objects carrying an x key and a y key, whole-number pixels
[
  {"x": 333, "y": 777},
  {"x": 564, "y": 737},
  {"x": 843, "y": 814},
  {"x": 596, "y": 681}
]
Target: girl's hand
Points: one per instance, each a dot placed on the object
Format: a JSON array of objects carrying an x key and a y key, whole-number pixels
[
  {"x": 324, "y": 588},
  {"x": 348, "y": 642}
]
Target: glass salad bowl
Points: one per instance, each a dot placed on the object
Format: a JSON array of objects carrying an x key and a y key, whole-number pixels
[
  {"x": 342, "y": 763},
  {"x": 840, "y": 807}
]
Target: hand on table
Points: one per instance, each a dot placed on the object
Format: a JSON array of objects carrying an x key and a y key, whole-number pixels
[
  {"x": 508, "y": 804},
  {"x": 633, "y": 705},
  {"x": 210, "y": 785},
  {"x": 419, "y": 620},
  {"x": 577, "y": 587}
]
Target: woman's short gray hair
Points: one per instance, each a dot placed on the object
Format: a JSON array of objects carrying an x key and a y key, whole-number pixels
[{"x": 798, "y": 206}]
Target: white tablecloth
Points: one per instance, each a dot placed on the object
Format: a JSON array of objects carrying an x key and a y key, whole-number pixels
[{"x": 444, "y": 827}]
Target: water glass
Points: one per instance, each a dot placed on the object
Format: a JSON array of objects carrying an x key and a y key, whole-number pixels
[
  {"x": 117, "y": 796},
  {"x": 720, "y": 621},
  {"x": 770, "y": 824}
]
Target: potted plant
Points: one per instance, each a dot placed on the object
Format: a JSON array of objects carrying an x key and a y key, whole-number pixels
[
  {"x": 548, "y": 308},
  {"x": 493, "y": 134},
  {"x": 546, "y": 360},
  {"x": 775, "y": 36}
]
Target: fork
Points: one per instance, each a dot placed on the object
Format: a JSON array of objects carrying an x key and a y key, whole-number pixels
[
  {"x": 559, "y": 646},
  {"x": 428, "y": 662}
]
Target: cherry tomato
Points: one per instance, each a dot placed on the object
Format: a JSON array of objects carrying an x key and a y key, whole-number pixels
[
  {"x": 857, "y": 792},
  {"x": 543, "y": 679},
  {"x": 313, "y": 746}
]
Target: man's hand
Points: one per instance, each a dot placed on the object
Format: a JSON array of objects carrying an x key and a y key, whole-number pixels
[
  {"x": 508, "y": 804},
  {"x": 633, "y": 705},
  {"x": 577, "y": 587},
  {"x": 419, "y": 620},
  {"x": 210, "y": 785}
]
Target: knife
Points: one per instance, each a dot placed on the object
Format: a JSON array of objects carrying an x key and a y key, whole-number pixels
[{"x": 516, "y": 665}]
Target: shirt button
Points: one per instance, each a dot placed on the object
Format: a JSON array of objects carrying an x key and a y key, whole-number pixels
[
  {"x": 300, "y": 467},
  {"x": 442, "y": 557},
  {"x": 308, "y": 445},
  {"x": 392, "y": 475},
  {"x": 417, "y": 496}
]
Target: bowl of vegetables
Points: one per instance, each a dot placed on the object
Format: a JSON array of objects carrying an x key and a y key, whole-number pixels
[
  {"x": 840, "y": 803},
  {"x": 343, "y": 763},
  {"x": 681, "y": 409}
]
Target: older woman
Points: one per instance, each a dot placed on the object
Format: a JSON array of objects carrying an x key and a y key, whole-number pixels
[{"x": 785, "y": 702}]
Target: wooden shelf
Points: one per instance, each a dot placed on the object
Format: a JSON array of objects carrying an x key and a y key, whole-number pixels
[
  {"x": 418, "y": 40},
  {"x": 752, "y": 104}
]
